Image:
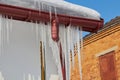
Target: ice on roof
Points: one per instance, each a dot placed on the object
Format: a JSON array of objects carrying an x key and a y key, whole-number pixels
[{"x": 61, "y": 7}]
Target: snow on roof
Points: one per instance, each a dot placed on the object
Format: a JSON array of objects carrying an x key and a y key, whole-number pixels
[{"x": 61, "y": 7}]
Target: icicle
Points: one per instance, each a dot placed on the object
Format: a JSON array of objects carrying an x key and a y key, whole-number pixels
[
  {"x": 35, "y": 3},
  {"x": 3, "y": 33},
  {"x": 44, "y": 37},
  {"x": 42, "y": 6},
  {"x": 65, "y": 50},
  {"x": 72, "y": 43},
  {"x": 81, "y": 46},
  {"x": 50, "y": 14},
  {"x": 11, "y": 24},
  {"x": 29, "y": 77},
  {"x": 39, "y": 7},
  {"x": 39, "y": 78},
  {"x": 59, "y": 65},
  {"x": 68, "y": 52},
  {"x": 79, "y": 53},
  {"x": 55, "y": 52},
  {"x": 23, "y": 76},
  {"x": 7, "y": 30},
  {"x": 36, "y": 31},
  {"x": 61, "y": 37},
  {"x": 40, "y": 31},
  {"x": 63, "y": 40},
  {"x": 32, "y": 27},
  {"x": 3, "y": 78},
  {"x": 55, "y": 12},
  {"x": 0, "y": 76},
  {"x": 81, "y": 41},
  {"x": 0, "y": 34},
  {"x": 33, "y": 78}
]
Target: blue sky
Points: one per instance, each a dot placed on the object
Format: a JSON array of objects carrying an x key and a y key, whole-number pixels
[{"x": 108, "y": 9}]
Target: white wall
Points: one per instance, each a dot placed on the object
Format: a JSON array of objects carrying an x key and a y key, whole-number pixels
[{"x": 20, "y": 56}]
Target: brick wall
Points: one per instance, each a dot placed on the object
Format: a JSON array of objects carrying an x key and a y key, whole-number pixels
[{"x": 94, "y": 45}]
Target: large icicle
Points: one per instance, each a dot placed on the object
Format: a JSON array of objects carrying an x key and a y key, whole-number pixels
[
  {"x": 55, "y": 51},
  {"x": 65, "y": 50},
  {"x": 68, "y": 53},
  {"x": 54, "y": 45},
  {"x": 43, "y": 42},
  {"x": 61, "y": 36},
  {"x": 81, "y": 47},
  {"x": 79, "y": 52}
]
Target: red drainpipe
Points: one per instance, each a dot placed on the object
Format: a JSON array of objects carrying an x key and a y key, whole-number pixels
[
  {"x": 55, "y": 30},
  {"x": 25, "y": 14}
]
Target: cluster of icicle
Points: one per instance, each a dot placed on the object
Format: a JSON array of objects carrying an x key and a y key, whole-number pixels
[
  {"x": 5, "y": 30},
  {"x": 69, "y": 36}
]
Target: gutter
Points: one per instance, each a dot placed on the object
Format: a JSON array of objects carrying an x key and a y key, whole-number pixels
[{"x": 28, "y": 15}]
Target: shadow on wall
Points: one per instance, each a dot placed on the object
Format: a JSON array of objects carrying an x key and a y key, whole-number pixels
[{"x": 25, "y": 77}]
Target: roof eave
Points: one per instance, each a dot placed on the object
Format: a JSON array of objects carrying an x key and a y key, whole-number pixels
[{"x": 25, "y": 14}]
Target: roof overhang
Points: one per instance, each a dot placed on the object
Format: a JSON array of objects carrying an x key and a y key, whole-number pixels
[{"x": 25, "y": 14}]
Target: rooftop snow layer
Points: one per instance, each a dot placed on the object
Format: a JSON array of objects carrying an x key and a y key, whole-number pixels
[{"x": 56, "y": 6}]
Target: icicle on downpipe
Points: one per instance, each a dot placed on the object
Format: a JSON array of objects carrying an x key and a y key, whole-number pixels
[
  {"x": 52, "y": 44},
  {"x": 61, "y": 35},
  {"x": 49, "y": 26},
  {"x": 60, "y": 67},
  {"x": 79, "y": 53}
]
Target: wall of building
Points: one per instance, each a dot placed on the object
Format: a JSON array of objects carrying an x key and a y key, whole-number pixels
[{"x": 95, "y": 45}]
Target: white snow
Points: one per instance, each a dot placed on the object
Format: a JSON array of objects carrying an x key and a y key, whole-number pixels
[{"x": 63, "y": 7}]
